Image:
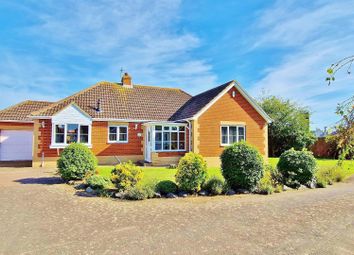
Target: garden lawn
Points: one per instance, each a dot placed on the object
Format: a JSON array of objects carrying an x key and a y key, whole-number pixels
[{"x": 152, "y": 174}]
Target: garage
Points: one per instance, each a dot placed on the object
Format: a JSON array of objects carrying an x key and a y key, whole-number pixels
[{"x": 16, "y": 145}]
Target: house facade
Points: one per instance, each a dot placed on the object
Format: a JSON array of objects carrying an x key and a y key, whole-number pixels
[{"x": 123, "y": 121}]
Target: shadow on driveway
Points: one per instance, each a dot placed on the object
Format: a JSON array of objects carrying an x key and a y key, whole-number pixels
[{"x": 41, "y": 180}]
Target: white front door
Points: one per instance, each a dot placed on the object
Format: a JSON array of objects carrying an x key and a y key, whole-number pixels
[
  {"x": 16, "y": 145},
  {"x": 148, "y": 144}
]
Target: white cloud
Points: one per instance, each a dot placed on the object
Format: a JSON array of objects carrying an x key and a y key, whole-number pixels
[
  {"x": 24, "y": 77},
  {"x": 139, "y": 36},
  {"x": 292, "y": 23},
  {"x": 318, "y": 37},
  {"x": 101, "y": 37}
]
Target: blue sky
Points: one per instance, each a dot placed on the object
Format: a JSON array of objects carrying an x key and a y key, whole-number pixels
[{"x": 51, "y": 49}]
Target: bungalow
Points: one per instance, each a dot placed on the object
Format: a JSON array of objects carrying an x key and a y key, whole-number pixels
[{"x": 125, "y": 121}]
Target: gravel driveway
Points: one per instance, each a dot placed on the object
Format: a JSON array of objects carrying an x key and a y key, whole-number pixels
[{"x": 40, "y": 215}]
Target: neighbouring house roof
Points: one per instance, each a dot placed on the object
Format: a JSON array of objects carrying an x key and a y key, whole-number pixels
[
  {"x": 20, "y": 112},
  {"x": 121, "y": 103},
  {"x": 198, "y": 102}
]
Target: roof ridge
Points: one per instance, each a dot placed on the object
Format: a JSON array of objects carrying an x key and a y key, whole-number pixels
[
  {"x": 39, "y": 101},
  {"x": 68, "y": 97},
  {"x": 156, "y": 87},
  {"x": 206, "y": 91}
]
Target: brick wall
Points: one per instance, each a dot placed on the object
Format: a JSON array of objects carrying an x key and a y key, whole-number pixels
[
  {"x": 233, "y": 110},
  {"x": 100, "y": 145}
]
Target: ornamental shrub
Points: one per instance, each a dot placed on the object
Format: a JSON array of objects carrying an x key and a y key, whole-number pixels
[
  {"x": 98, "y": 181},
  {"x": 297, "y": 167},
  {"x": 329, "y": 175},
  {"x": 76, "y": 161},
  {"x": 214, "y": 186},
  {"x": 191, "y": 172},
  {"x": 165, "y": 187},
  {"x": 135, "y": 193},
  {"x": 266, "y": 184},
  {"x": 126, "y": 175},
  {"x": 241, "y": 166}
]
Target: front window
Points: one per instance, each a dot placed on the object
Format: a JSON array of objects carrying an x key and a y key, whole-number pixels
[
  {"x": 118, "y": 134},
  {"x": 232, "y": 134},
  {"x": 170, "y": 138},
  {"x": 70, "y": 133}
]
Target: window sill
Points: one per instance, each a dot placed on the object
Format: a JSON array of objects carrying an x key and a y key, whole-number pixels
[
  {"x": 62, "y": 146},
  {"x": 111, "y": 142},
  {"x": 170, "y": 151}
]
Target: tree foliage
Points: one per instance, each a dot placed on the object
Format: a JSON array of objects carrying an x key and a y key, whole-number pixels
[
  {"x": 290, "y": 127},
  {"x": 343, "y": 135}
]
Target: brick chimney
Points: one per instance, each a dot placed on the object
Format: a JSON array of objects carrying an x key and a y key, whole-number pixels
[{"x": 127, "y": 81}]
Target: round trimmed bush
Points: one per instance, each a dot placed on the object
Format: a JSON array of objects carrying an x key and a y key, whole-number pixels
[
  {"x": 165, "y": 187},
  {"x": 191, "y": 172},
  {"x": 242, "y": 166},
  {"x": 126, "y": 175},
  {"x": 76, "y": 161},
  {"x": 214, "y": 186},
  {"x": 98, "y": 181},
  {"x": 297, "y": 167}
]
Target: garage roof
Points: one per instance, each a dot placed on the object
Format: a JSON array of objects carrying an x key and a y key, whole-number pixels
[{"x": 20, "y": 112}]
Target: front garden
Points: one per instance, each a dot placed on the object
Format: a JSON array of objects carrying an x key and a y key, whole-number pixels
[
  {"x": 242, "y": 171},
  {"x": 165, "y": 173}
]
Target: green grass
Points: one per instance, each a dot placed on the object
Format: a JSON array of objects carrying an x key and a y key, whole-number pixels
[
  {"x": 163, "y": 173},
  {"x": 157, "y": 173}
]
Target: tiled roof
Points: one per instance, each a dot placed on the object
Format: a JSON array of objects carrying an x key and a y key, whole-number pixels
[
  {"x": 118, "y": 102},
  {"x": 21, "y": 111},
  {"x": 197, "y": 103}
]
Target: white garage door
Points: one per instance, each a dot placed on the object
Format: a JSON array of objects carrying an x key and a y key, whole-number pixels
[{"x": 15, "y": 145}]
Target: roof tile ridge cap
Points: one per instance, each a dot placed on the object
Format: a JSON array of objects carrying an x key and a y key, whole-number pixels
[
  {"x": 156, "y": 87},
  {"x": 39, "y": 101},
  {"x": 181, "y": 90},
  {"x": 13, "y": 106},
  {"x": 67, "y": 98}
]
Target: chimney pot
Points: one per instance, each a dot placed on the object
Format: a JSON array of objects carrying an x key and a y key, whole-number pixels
[{"x": 127, "y": 81}]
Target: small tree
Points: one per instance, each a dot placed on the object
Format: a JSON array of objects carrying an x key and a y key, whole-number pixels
[
  {"x": 344, "y": 130},
  {"x": 290, "y": 127}
]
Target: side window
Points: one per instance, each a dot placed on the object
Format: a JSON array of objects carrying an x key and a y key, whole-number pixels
[
  {"x": 232, "y": 134},
  {"x": 118, "y": 134}
]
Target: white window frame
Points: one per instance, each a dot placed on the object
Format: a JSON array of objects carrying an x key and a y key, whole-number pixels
[
  {"x": 228, "y": 133},
  {"x": 55, "y": 145},
  {"x": 118, "y": 133},
  {"x": 170, "y": 131}
]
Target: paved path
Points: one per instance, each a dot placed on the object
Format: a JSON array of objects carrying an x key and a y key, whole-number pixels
[{"x": 39, "y": 215}]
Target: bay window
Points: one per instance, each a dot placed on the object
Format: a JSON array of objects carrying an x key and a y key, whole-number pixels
[
  {"x": 232, "y": 134},
  {"x": 64, "y": 134},
  {"x": 169, "y": 138},
  {"x": 118, "y": 134}
]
